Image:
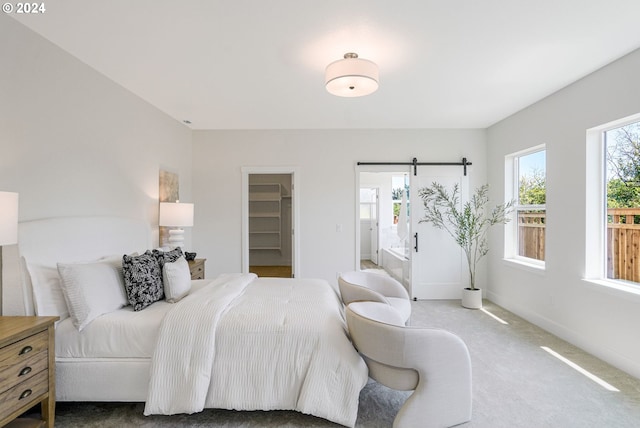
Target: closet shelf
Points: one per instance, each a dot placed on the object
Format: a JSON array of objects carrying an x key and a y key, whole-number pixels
[
  {"x": 264, "y": 196},
  {"x": 265, "y": 214}
]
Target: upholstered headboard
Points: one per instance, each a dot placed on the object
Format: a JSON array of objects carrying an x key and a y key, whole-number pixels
[{"x": 70, "y": 239}]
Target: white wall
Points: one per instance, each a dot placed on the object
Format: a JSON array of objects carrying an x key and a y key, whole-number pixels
[
  {"x": 72, "y": 142},
  {"x": 326, "y": 184},
  {"x": 595, "y": 318}
]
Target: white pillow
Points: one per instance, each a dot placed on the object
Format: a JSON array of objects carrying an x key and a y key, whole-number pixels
[
  {"x": 177, "y": 279},
  {"x": 47, "y": 292},
  {"x": 92, "y": 289}
]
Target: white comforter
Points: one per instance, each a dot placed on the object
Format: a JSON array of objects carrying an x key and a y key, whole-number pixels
[{"x": 257, "y": 344}]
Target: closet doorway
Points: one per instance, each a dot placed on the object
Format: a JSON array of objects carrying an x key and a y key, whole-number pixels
[{"x": 269, "y": 222}]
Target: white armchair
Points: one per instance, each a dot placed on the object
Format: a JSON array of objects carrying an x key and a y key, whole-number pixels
[
  {"x": 359, "y": 286},
  {"x": 434, "y": 363}
]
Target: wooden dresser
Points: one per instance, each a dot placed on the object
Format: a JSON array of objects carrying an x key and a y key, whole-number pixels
[
  {"x": 197, "y": 268},
  {"x": 27, "y": 369}
]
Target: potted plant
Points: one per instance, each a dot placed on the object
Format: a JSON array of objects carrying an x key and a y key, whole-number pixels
[{"x": 467, "y": 225}]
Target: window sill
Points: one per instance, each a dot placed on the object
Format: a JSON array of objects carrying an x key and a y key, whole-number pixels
[
  {"x": 615, "y": 288},
  {"x": 536, "y": 268}
]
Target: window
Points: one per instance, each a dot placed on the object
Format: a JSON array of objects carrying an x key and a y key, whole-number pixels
[
  {"x": 368, "y": 200},
  {"x": 399, "y": 188},
  {"x": 525, "y": 237},
  {"x": 622, "y": 187}
]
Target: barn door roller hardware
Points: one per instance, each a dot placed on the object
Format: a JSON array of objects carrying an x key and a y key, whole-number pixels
[{"x": 415, "y": 164}]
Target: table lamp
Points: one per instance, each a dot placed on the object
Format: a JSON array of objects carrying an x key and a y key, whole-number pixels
[{"x": 176, "y": 215}]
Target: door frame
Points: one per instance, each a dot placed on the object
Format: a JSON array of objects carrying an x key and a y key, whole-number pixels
[{"x": 295, "y": 212}]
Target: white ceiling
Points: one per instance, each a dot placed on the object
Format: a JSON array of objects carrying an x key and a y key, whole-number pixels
[{"x": 251, "y": 64}]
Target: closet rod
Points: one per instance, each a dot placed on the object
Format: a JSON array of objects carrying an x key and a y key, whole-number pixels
[{"x": 415, "y": 164}]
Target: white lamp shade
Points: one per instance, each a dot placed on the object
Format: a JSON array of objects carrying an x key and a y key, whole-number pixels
[
  {"x": 351, "y": 77},
  {"x": 176, "y": 214},
  {"x": 8, "y": 218}
]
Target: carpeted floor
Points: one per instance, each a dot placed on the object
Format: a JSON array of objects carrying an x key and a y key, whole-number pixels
[{"x": 516, "y": 384}]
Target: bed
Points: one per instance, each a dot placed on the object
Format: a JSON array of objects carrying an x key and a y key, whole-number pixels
[{"x": 233, "y": 342}]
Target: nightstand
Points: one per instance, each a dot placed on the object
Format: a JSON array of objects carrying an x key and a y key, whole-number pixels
[
  {"x": 197, "y": 268},
  {"x": 27, "y": 369}
]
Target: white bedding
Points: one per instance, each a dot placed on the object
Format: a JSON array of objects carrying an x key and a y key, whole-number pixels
[
  {"x": 186, "y": 346},
  {"x": 284, "y": 345},
  {"x": 280, "y": 345},
  {"x": 119, "y": 334}
]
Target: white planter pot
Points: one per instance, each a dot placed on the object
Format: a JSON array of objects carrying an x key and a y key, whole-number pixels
[{"x": 472, "y": 299}]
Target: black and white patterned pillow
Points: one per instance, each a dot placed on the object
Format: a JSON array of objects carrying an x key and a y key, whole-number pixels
[
  {"x": 167, "y": 256},
  {"x": 142, "y": 280}
]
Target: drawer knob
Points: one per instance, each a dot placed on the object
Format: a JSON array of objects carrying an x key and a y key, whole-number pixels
[
  {"x": 26, "y": 350},
  {"x": 25, "y": 371},
  {"x": 25, "y": 394}
]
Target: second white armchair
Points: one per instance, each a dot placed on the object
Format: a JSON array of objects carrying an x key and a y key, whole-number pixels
[{"x": 361, "y": 286}]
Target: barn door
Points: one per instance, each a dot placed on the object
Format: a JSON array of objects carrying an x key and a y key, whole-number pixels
[{"x": 438, "y": 265}]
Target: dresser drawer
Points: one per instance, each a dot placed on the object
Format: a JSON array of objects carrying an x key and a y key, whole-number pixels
[
  {"x": 13, "y": 374},
  {"x": 23, "y": 349},
  {"x": 198, "y": 273},
  {"x": 24, "y": 393}
]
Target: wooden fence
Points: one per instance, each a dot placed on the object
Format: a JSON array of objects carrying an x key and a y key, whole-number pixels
[
  {"x": 623, "y": 240},
  {"x": 531, "y": 233},
  {"x": 623, "y": 244}
]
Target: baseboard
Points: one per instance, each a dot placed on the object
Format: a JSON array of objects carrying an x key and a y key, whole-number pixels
[{"x": 615, "y": 359}]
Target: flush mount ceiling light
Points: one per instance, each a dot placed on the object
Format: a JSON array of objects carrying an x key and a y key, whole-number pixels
[{"x": 351, "y": 76}]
